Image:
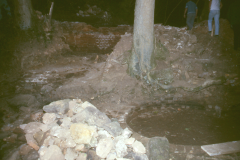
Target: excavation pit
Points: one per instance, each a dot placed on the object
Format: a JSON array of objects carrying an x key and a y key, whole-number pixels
[{"x": 186, "y": 124}]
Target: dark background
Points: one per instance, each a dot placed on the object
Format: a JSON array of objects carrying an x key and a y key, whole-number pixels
[
  {"x": 167, "y": 12},
  {"x": 122, "y": 11}
]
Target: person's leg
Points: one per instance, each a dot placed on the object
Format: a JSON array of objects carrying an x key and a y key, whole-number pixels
[
  {"x": 192, "y": 19},
  {"x": 216, "y": 19},
  {"x": 210, "y": 17},
  {"x": 187, "y": 21}
]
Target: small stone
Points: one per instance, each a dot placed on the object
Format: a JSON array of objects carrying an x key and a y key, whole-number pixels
[
  {"x": 91, "y": 155},
  {"x": 48, "y": 141},
  {"x": 92, "y": 116},
  {"x": 75, "y": 106},
  {"x": 129, "y": 141},
  {"x": 138, "y": 147},
  {"x": 69, "y": 142},
  {"x": 121, "y": 148},
  {"x": 32, "y": 155},
  {"x": 70, "y": 154},
  {"x": 32, "y": 127},
  {"x": 82, "y": 156},
  {"x": 49, "y": 118},
  {"x": 79, "y": 147},
  {"x": 53, "y": 152},
  {"x": 113, "y": 128},
  {"x": 158, "y": 148},
  {"x": 104, "y": 147},
  {"x": 22, "y": 126},
  {"x": 82, "y": 133},
  {"x": 103, "y": 134},
  {"x": 42, "y": 151},
  {"x": 87, "y": 104},
  {"x": 70, "y": 113},
  {"x": 36, "y": 116},
  {"x": 210, "y": 106},
  {"x": 59, "y": 107},
  {"x": 66, "y": 122},
  {"x": 32, "y": 142},
  {"x": 24, "y": 149},
  {"x": 60, "y": 132},
  {"x": 140, "y": 156},
  {"x": 112, "y": 156},
  {"x": 38, "y": 136},
  {"x": 126, "y": 133}
]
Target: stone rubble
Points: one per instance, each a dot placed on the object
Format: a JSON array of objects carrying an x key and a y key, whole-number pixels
[{"x": 84, "y": 133}]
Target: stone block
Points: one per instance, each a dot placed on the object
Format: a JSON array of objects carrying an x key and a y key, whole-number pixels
[
  {"x": 138, "y": 147},
  {"x": 82, "y": 133},
  {"x": 49, "y": 118},
  {"x": 59, "y": 107},
  {"x": 104, "y": 147},
  {"x": 32, "y": 142},
  {"x": 32, "y": 127},
  {"x": 53, "y": 152}
]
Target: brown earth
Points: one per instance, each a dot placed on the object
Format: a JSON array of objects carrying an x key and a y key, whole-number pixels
[{"x": 91, "y": 64}]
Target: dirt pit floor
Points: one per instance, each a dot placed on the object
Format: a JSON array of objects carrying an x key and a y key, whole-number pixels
[{"x": 196, "y": 103}]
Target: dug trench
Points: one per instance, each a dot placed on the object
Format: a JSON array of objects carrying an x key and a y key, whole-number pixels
[{"x": 197, "y": 102}]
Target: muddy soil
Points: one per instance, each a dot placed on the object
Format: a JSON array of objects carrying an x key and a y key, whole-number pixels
[
  {"x": 186, "y": 124},
  {"x": 91, "y": 63}
]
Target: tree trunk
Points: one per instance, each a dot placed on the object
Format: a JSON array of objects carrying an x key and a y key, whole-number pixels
[
  {"x": 143, "y": 39},
  {"x": 23, "y": 13}
]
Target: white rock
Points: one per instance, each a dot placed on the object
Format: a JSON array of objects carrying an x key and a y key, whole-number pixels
[
  {"x": 87, "y": 104},
  {"x": 60, "y": 132},
  {"x": 103, "y": 134},
  {"x": 32, "y": 127},
  {"x": 70, "y": 154},
  {"x": 42, "y": 150},
  {"x": 48, "y": 141},
  {"x": 112, "y": 156},
  {"x": 76, "y": 105},
  {"x": 104, "y": 147},
  {"x": 23, "y": 126},
  {"x": 79, "y": 147},
  {"x": 93, "y": 142},
  {"x": 53, "y": 153},
  {"x": 129, "y": 141},
  {"x": 82, "y": 156},
  {"x": 32, "y": 142},
  {"x": 44, "y": 127},
  {"x": 69, "y": 142},
  {"x": 126, "y": 133},
  {"x": 138, "y": 147},
  {"x": 82, "y": 133},
  {"x": 66, "y": 122},
  {"x": 121, "y": 148},
  {"x": 48, "y": 118}
]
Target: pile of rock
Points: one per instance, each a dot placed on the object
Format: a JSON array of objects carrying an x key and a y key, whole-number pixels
[{"x": 71, "y": 129}]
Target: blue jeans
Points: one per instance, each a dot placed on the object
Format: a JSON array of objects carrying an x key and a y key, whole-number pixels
[
  {"x": 216, "y": 15},
  {"x": 190, "y": 20}
]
